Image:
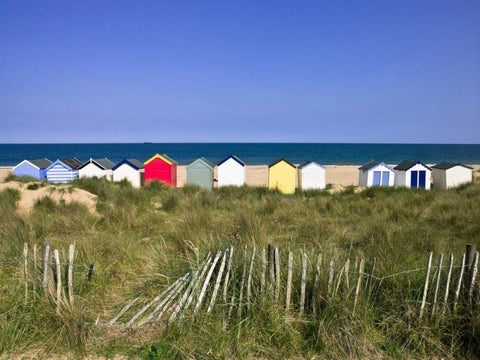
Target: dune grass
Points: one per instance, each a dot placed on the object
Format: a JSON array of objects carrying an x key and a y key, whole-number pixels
[{"x": 143, "y": 239}]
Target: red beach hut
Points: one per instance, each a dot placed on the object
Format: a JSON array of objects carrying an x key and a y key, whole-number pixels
[{"x": 161, "y": 168}]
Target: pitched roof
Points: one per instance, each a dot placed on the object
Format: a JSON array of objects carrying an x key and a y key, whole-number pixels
[
  {"x": 449, "y": 165},
  {"x": 134, "y": 163},
  {"x": 203, "y": 160},
  {"x": 163, "y": 157},
  {"x": 104, "y": 163},
  {"x": 241, "y": 162},
  {"x": 41, "y": 163},
  {"x": 369, "y": 165},
  {"x": 310, "y": 162},
  {"x": 73, "y": 163},
  {"x": 407, "y": 164},
  {"x": 279, "y": 160}
]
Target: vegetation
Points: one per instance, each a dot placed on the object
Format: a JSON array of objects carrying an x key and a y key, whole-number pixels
[{"x": 142, "y": 239}]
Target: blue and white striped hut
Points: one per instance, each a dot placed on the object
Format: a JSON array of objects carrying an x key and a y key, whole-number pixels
[
  {"x": 63, "y": 171},
  {"x": 34, "y": 168}
]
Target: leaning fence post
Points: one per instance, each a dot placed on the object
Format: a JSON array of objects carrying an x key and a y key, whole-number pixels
[
  {"x": 217, "y": 282},
  {"x": 330, "y": 277},
  {"x": 459, "y": 283},
  {"x": 347, "y": 269},
  {"x": 277, "y": 273},
  {"x": 25, "y": 269},
  {"x": 289, "y": 281},
  {"x": 447, "y": 285},
  {"x": 425, "y": 289},
  {"x": 249, "y": 281},
  {"x": 359, "y": 283},
  {"x": 35, "y": 269},
  {"x": 437, "y": 283},
  {"x": 46, "y": 257},
  {"x": 303, "y": 284},
  {"x": 59, "y": 278},
  {"x": 264, "y": 270},
  {"x": 227, "y": 275},
  {"x": 470, "y": 250},
  {"x": 205, "y": 284},
  {"x": 473, "y": 276},
  {"x": 242, "y": 283},
  {"x": 71, "y": 251},
  {"x": 315, "y": 284}
]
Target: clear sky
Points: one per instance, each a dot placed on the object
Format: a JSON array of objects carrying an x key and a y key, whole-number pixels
[{"x": 239, "y": 71}]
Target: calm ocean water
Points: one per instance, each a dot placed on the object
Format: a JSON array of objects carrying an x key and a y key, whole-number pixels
[{"x": 251, "y": 153}]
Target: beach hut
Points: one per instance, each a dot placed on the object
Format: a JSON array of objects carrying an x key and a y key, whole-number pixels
[
  {"x": 35, "y": 168},
  {"x": 231, "y": 172},
  {"x": 97, "y": 168},
  {"x": 161, "y": 168},
  {"x": 131, "y": 170},
  {"x": 63, "y": 171},
  {"x": 282, "y": 176},
  {"x": 376, "y": 173},
  {"x": 200, "y": 173},
  {"x": 311, "y": 176},
  {"x": 447, "y": 175},
  {"x": 412, "y": 174}
]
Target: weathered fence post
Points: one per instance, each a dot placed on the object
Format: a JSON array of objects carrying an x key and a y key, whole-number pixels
[
  {"x": 249, "y": 281},
  {"x": 242, "y": 283},
  {"x": 359, "y": 283},
  {"x": 459, "y": 283},
  {"x": 289, "y": 281},
  {"x": 425, "y": 289},
  {"x": 25, "y": 269},
  {"x": 277, "y": 274},
  {"x": 330, "y": 277},
  {"x": 46, "y": 257},
  {"x": 217, "y": 282},
  {"x": 470, "y": 250},
  {"x": 473, "y": 276},
  {"x": 447, "y": 285},
  {"x": 71, "y": 252},
  {"x": 264, "y": 270},
  {"x": 35, "y": 270},
  {"x": 227, "y": 275},
  {"x": 205, "y": 283},
  {"x": 347, "y": 269},
  {"x": 370, "y": 276},
  {"x": 303, "y": 284},
  {"x": 315, "y": 284},
  {"x": 271, "y": 263},
  {"x": 59, "y": 278},
  {"x": 437, "y": 284}
]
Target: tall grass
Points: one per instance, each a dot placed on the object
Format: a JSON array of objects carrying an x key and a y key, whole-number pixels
[{"x": 141, "y": 240}]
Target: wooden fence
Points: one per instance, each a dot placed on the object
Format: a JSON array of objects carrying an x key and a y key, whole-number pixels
[{"x": 227, "y": 282}]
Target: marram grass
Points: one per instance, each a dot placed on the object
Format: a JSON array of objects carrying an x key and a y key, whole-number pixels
[{"x": 141, "y": 240}]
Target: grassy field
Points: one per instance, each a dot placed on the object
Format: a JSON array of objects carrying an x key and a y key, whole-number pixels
[{"x": 140, "y": 240}]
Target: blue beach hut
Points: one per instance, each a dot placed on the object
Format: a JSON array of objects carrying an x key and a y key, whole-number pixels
[
  {"x": 63, "y": 171},
  {"x": 35, "y": 168}
]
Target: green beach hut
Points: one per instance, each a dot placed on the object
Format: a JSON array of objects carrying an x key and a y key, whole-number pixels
[{"x": 200, "y": 172}]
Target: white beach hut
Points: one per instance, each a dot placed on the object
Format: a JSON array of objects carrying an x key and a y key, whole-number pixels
[
  {"x": 447, "y": 175},
  {"x": 413, "y": 174},
  {"x": 97, "y": 168},
  {"x": 376, "y": 173},
  {"x": 131, "y": 170},
  {"x": 311, "y": 176},
  {"x": 231, "y": 172}
]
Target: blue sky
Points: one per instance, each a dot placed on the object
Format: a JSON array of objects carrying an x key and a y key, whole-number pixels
[{"x": 240, "y": 71}]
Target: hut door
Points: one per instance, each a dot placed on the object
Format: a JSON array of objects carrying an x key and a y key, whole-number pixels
[
  {"x": 421, "y": 179},
  {"x": 376, "y": 178},
  {"x": 385, "y": 178},
  {"x": 414, "y": 179}
]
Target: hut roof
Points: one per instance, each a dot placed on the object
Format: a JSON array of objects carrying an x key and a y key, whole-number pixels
[
  {"x": 241, "y": 162},
  {"x": 134, "y": 163},
  {"x": 73, "y": 163},
  {"x": 449, "y": 165},
  {"x": 279, "y": 160},
  {"x": 310, "y": 162},
  {"x": 407, "y": 164},
  {"x": 104, "y": 163},
  {"x": 204, "y": 161},
  {"x": 373, "y": 164},
  {"x": 163, "y": 157},
  {"x": 41, "y": 163}
]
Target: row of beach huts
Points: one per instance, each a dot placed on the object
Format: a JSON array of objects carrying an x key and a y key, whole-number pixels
[{"x": 282, "y": 175}]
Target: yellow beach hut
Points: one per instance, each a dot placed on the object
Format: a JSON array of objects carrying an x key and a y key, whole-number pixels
[{"x": 282, "y": 176}]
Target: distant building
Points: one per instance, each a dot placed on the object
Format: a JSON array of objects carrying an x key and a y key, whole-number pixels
[
  {"x": 413, "y": 174},
  {"x": 161, "y": 168},
  {"x": 447, "y": 175},
  {"x": 34, "y": 168},
  {"x": 231, "y": 172},
  {"x": 311, "y": 176},
  {"x": 200, "y": 172},
  {"x": 131, "y": 170},
  {"x": 97, "y": 168},
  {"x": 376, "y": 173},
  {"x": 282, "y": 176},
  {"x": 63, "y": 171}
]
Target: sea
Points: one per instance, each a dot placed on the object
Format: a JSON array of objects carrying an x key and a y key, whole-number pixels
[{"x": 250, "y": 153}]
